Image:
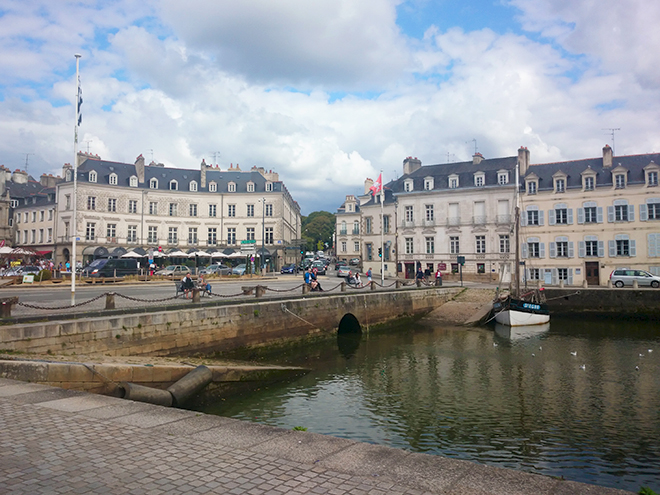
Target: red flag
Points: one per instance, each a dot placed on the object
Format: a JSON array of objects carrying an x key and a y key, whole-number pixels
[{"x": 378, "y": 185}]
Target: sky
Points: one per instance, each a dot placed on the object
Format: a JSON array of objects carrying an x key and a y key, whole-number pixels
[{"x": 327, "y": 92}]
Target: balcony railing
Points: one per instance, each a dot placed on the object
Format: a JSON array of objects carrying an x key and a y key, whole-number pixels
[
  {"x": 503, "y": 219},
  {"x": 453, "y": 221},
  {"x": 356, "y": 231},
  {"x": 479, "y": 220},
  {"x": 429, "y": 222},
  {"x": 407, "y": 223},
  {"x": 342, "y": 232}
]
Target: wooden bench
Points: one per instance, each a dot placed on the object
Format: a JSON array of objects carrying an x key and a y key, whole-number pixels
[{"x": 178, "y": 285}]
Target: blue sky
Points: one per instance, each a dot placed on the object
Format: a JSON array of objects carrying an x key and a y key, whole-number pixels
[{"x": 327, "y": 93}]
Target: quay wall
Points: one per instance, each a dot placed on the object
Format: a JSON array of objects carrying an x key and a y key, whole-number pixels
[
  {"x": 210, "y": 327},
  {"x": 642, "y": 303}
]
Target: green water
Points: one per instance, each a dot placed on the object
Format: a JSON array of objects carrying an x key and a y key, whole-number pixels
[{"x": 576, "y": 400}]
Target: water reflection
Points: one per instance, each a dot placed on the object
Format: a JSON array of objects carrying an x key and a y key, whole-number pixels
[
  {"x": 576, "y": 400},
  {"x": 348, "y": 344},
  {"x": 521, "y": 332}
]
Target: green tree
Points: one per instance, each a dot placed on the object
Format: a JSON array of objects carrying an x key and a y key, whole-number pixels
[{"x": 317, "y": 230}]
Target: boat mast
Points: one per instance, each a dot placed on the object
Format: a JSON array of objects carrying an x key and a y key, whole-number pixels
[{"x": 516, "y": 223}]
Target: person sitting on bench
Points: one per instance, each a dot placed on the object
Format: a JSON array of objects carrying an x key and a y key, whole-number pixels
[{"x": 187, "y": 285}]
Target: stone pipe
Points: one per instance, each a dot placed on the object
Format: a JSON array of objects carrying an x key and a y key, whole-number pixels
[
  {"x": 151, "y": 395},
  {"x": 190, "y": 384}
]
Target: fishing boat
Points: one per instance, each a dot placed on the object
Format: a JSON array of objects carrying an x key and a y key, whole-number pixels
[{"x": 520, "y": 309}]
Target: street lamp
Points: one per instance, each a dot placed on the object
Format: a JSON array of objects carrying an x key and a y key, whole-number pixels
[{"x": 263, "y": 233}]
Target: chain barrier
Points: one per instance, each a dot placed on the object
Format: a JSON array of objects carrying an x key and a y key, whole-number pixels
[
  {"x": 32, "y": 306},
  {"x": 212, "y": 294},
  {"x": 136, "y": 299},
  {"x": 283, "y": 290}
]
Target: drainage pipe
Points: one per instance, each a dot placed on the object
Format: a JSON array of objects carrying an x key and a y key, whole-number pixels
[
  {"x": 140, "y": 393},
  {"x": 190, "y": 384}
]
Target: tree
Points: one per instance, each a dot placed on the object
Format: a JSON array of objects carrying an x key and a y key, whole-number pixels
[{"x": 317, "y": 230}]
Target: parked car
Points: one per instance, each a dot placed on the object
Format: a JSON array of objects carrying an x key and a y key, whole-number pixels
[
  {"x": 238, "y": 269},
  {"x": 340, "y": 263},
  {"x": 354, "y": 262},
  {"x": 343, "y": 271},
  {"x": 288, "y": 268},
  {"x": 111, "y": 267},
  {"x": 625, "y": 276},
  {"x": 320, "y": 267},
  {"x": 216, "y": 269},
  {"x": 21, "y": 270},
  {"x": 174, "y": 270}
]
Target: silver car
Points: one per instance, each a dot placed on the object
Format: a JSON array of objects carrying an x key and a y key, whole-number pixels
[{"x": 625, "y": 277}]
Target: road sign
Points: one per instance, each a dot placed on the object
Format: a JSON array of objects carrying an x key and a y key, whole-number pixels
[{"x": 251, "y": 241}]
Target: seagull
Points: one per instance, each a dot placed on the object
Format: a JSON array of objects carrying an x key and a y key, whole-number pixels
[
  {"x": 533, "y": 355},
  {"x": 494, "y": 344},
  {"x": 637, "y": 368},
  {"x": 540, "y": 348},
  {"x": 583, "y": 367},
  {"x": 641, "y": 355},
  {"x": 650, "y": 351},
  {"x": 573, "y": 353}
]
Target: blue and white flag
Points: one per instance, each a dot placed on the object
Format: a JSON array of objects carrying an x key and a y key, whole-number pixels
[{"x": 79, "y": 103}]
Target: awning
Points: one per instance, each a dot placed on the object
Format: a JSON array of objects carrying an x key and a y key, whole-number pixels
[
  {"x": 117, "y": 252},
  {"x": 95, "y": 251},
  {"x": 43, "y": 253},
  {"x": 263, "y": 251}
]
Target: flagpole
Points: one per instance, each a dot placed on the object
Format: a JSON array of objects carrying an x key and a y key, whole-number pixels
[
  {"x": 382, "y": 228},
  {"x": 74, "y": 223}
]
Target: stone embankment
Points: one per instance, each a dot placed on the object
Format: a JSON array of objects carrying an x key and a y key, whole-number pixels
[{"x": 467, "y": 307}]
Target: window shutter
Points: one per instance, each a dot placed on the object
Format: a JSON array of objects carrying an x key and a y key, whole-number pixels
[
  {"x": 523, "y": 253},
  {"x": 643, "y": 213},
  {"x": 555, "y": 277},
  {"x": 552, "y": 217},
  {"x": 612, "y": 245},
  {"x": 652, "y": 244},
  {"x": 610, "y": 214},
  {"x": 599, "y": 214},
  {"x": 601, "y": 249},
  {"x": 631, "y": 213},
  {"x": 542, "y": 250},
  {"x": 553, "y": 249},
  {"x": 571, "y": 249},
  {"x": 582, "y": 249},
  {"x": 523, "y": 219},
  {"x": 570, "y": 276},
  {"x": 580, "y": 216},
  {"x": 540, "y": 217},
  {"x": 633, "y": 248},
  {"x": 570, "y": 216}
]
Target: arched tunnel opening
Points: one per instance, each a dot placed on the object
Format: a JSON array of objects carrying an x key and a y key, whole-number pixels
[
  {"x": 349, "y": 324},
  {"x": 349, "y": 335}
]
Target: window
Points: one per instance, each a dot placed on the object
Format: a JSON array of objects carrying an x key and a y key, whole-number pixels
[
  {"x": 173, "y": 235},
  {"x": 356, "y": 246},
  {"x": 67, "y": 177},
  {"x": 42, "y": 215},
  {"x": 34, "y": 217},
  {"x": 250, "y": 187},
  {"x": 479, "y": 179},
  {"x": 386, "y": 224},
  {"x": 192, "y": 186},
  {"x": 409, "y": 213},
  {"x": 27, "y": 218},
  {"x": 92, "y": 176},
  {"x": 231, "y": 235},
  {"x": 90, "y": 231},
  {"x": 132, "y": 206},
  {"x": 562, "y": 274},
  {"x": 250, "y": 210},
  {"x": 430, "y": 245},
  {"x": 66, "y": 230},
  {"x": 562, "y": 249},
  {"x": 112, "y": 179},
  {"x": 367, "y": 225},
  {"x": 480, "y": 244},
  {"x": 50, "y": 214},
  {"x": 505, "y": 244},
  {"x": 213, "y": 187},
  {"x": 231, "y": 210},
  {"x": 453, "y": 181},
  {"x": 67, "y": 198},
  {"x": 561, "y": 216},
  {"x": 33, "y": 236},
  {"x": 91, "y": 203},
  {"x": 342, "y": 230},
  {"x": 408, "y": 185},
  {"x": 192, "y": 209},
  {"x": 153, "y": 183},
  {"x": 533, "y": 249},
  {"x": 213, "y": 210},
  {"x": 653, "y": 211},
  {"x": 269, "y": 210},
  {"x": 231, "y": 187},
  {"x": 369, "y": 248},
  {"x": 652, "y": 179},
  {"x": 533, "y": 217},
  {"x": 50, "y": 235},
  {"x": 428, "y": 184},
  {"x": 133, "y": 181},
  {"x": 454, "y": 246},
  {"x": 429, "y": 213},
  {"x": 502, "y": 178},
  {"x": 132, "y": 233},
  {"x": 356, "y": 229},
  {"x": 269, "y": 235},
  {"x": 112, "y": 204},
  {"x": 531, "y": 187},
  {"x": 621, "y": 213},
  {"x": 153, "y": 208},
  {"x": 560, "y": 185},
  {"x": 623, "y": 247},
  {"x": 192, "y": 235},
  {"x": 174, "y": 185},
  {"x": 212, "y": 236},
  {"x": 343, "y": 246},
  {"x": 173, "y": 208},
  {"x": 249, "y": 234},
  {"x": 619, "y": 181},
  {"x": 152, "y": 235},
  {"x": 25, "y": 237},
  {"x": 588, "y": 183},
  {"x": 591, "y": 248},
  {"x": 590, "y": 214},
  {"x": 111, "y": 232},
  {"x": 409, "y": 245},
  {"x": 269, "y": 186}
]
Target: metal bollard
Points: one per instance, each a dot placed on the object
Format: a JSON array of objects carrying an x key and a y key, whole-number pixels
[{"x": 110, "y": 301}]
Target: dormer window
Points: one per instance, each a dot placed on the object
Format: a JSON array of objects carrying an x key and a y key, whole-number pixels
[
  {"x": 231, "y": 187},
  {"x": 153, "y": 183},
  {"x": 92, "y": 176},
  {"x": 213, "y": 186},
  {"x": 67, "y": 176},
  {"x": 112, "y": 179},
  {"x": 588, "y": 183},
  {"x": 503, "y": 177},
  {"x": 428, "y": 184},
  {"x": 250, "y": 187},
  {"x": 532, "y": 186},
  {"x": 620, "y": 181},
  {"x": 453, "y": 181},
  {"x": 480, "y": 179},
  {"x": 269, "y": 186},
  {"x": 408, "y": 185},
  {"x": 192, "y": 186},
  {"x": 560, "y": 185},
  {"x": 349, "y": 207},
  {"x": 174, "y": 185},
  {"x": 133, "y": 181}
]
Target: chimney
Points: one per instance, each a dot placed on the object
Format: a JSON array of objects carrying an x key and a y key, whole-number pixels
[
  {"x": 48, "y": 180},
  {"x": 477, "y": 158},
  {"x": 202, "y": 179},
  {"x": 523, "y": 160},
  {"x": 367, "y": 185},
  {"x": 411, "y": 164},
  {"x": 607, "y": 156},
  {"x": 19, "y": 177},
  {"x": 139, "y": 169}
]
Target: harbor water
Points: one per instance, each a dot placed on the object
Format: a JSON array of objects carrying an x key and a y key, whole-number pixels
[{"x": 575, "y": 399}]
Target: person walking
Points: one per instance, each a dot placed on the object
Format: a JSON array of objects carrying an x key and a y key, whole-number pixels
[
  {"x": 438, "y": 277},
  {"x": 369, "y": 275}
]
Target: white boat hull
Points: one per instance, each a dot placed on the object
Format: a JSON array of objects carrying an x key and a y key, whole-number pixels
[{"x": 514, "y": 318}]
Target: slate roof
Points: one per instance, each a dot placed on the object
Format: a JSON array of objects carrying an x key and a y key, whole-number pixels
[
  {"x": 45, "y": 197},
  {"x": 375, "y": 200}
]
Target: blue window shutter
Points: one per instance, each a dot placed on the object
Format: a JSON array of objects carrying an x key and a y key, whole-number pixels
[
  {"x": 582, "y": 249},
  {"x": 580, "y": 215},
  {"x": 570, "y": 216},
  {"x": 523, "y": 218},
  {"x": 541, "y": 249},
  {"x": 652, "y": 243},
  {"x": 643, "y": 213},
  {"x": 599, "y": 214},
  {"x": 552, "y": 217},
  {"x": 633, "y": 248},
  {"x": 571, "y": 250},
  {"x": 601, "y": 249},
  {"x": 610, "y": 214},
  {"x": 555, "y": 277},
  {"x": 553, "y": 249},
  {"x": 523, "y": 253},
  {"x": 612, "y": 245},
  {"x": 540, "y": 217},
  {"x": 570, "y": 276},
  {"x": 631, "y": 213}
]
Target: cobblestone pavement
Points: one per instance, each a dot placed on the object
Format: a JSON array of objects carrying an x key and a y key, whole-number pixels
[{"x": 56, "y": 441}]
